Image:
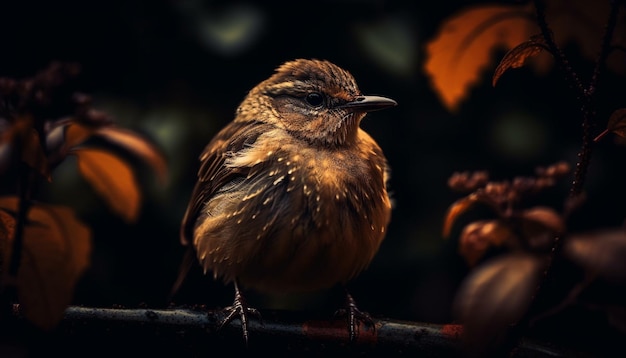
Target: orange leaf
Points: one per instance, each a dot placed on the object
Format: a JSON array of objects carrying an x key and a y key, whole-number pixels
[
  {"x": 112, "y": 178},
  {"x": 547, "y": 218},
  {"x": 496, "y": 295},
  {"x": 456, "y": 209},
  {"x": 7, "y": 227},
  {"x": 516, "y": 57},
  {"x": 76, "y": 133},
  {"x": 56, "y": 250},
  {"x": 138, "y": 146},
  {"x": 478, "y": 236},
  {"x": 464, "y": 47}
]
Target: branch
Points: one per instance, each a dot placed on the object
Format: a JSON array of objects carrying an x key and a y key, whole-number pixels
[{"x": 196, "y": 330}]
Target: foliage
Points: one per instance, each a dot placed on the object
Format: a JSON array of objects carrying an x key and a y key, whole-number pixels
[
  {"x": 513, "y": 253},
  {"x": 466, "y": 42},
  {"x": 45, "y": 248}
]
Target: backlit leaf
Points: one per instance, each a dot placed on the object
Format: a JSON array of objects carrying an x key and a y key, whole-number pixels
[
  {"x": 465, "y": 44},
  {"x": 478, "y": 236},
  {"x": 112, "y": 178},
  {"x": 496, "y": 295},
  {"x": 56, "y": 251},
  {"x": 517, "y": 56},
  {"x": 137, "y": 145},
  {"x": 602, "y": 253},
  {"x": 455, "y": 210},
  {"x": 76, "y": 133}
]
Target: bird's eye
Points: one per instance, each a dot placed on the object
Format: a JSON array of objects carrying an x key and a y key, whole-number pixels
[{"x": 315, "y": 99}]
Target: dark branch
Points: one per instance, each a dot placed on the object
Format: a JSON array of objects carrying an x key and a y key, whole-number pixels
[{"x": 279, "y": 332}]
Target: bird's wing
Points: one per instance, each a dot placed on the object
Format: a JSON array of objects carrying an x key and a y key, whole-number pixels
[{"x": 213, "y": 174}]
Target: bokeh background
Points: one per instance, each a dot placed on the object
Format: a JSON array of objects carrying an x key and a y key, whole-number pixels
[{"x": 176, "y": 70}]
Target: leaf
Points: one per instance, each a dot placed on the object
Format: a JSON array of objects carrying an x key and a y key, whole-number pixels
[
  {"x": 602, "y": 253},
  {"x": 478, "y": 236},
  {"x": 540, "y": 225},
  {"x": 464, "y": 47},
  {"x": 496, "y": 295},
  {"x": 138, "y": 146},
  {"x": 112, "y": 178},
  {"x": 455, "y": 210},
  {"x": 56, "y": 250},
  {"x": 517, "y": 56},
  {"x": 616, "y": 124},
  {"x": 7, "y": 228},
  {"x": 76, "y": 133}
]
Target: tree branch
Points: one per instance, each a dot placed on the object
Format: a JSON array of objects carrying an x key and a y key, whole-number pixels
[{"x": 195, "y": 330}]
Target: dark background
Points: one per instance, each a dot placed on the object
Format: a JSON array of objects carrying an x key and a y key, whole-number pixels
[{"x": 159, "y": 67}]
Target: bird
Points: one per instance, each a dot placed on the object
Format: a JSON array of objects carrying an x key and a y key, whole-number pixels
[{"x": 292, "y": 194}]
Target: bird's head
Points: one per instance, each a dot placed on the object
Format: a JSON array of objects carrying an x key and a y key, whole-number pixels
[{"x": 313, "y": 100}]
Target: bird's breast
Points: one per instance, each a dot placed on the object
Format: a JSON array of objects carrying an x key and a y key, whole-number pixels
[{"x": 302, "y": 219}]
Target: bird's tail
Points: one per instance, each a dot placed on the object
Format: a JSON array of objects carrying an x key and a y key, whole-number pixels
[{"x": 188, "y": 260}]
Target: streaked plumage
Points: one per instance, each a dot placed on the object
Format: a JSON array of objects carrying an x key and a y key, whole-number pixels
[{"x": 291, "y": 195}]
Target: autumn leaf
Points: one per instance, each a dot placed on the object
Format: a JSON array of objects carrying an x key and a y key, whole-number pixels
[
  {"x": 616, "y": 124},
  {"x": 464, "y": 46},
  {"x": 517, "y": 56},
  {"x": 465, "y": 43},
  {"x": 112, "y": 178},
  {"x": 540, "y": 225},
  {"x": 76, "y": 133},
  {"x": 137, "y": 145},
  {"x": 496, "y": 295},
  {"x": 602, "y": 253},
  {"x": 55, "y": 253},
  {"x": 478, "y": 236},
  {"x": 455, "y": 210},
  {"x": 7, "y": 228}
]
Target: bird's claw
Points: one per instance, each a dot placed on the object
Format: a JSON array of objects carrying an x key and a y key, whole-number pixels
[
  {"x": 354, "y": 316},
  {"x": 239, "y": 309}
]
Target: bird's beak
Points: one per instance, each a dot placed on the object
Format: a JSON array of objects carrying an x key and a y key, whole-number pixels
[{"x": 369, "y": 103}]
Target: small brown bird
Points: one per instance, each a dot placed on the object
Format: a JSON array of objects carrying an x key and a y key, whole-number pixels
[{"x": 292, "y": 194}]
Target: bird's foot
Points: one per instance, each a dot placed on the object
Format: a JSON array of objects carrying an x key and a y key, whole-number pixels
[
  {"x": 241, "y": 310},
  {"x": 354, "y": 317}
]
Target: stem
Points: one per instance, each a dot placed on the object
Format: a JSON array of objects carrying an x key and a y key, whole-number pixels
[
  {"x": 559, "y": 56},
  {"x": 26, "y": 177},
  {"x": 584, "y": 96},
  {"x": 605, "y": 48}
]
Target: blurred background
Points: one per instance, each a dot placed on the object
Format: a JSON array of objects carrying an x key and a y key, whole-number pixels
[{"x": 176, "y": 70}]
